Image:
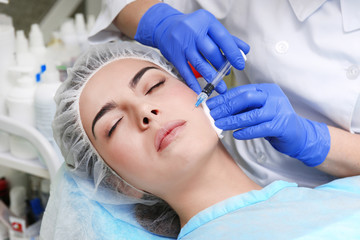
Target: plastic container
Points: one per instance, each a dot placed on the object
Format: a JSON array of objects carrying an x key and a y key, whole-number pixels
[
  {"x": 18, "y": 201},
  {"x": 20, "y": 103},
  {"x": 24, "y": 58},
  {"x": 32, "y": 232},
  {"x": 44, "y": 103},
  {"x": 56, "y": 52},
  {"x": 36, "y": 208},
  {"x": 44, "y": 191},
  {"x": 36, "y": 39},
  {"x": 69, "y": 37},
  {"x": 37, "y": 46},
  {"x": 81, "y": 31},
  {"x": 7, "y": 49}
]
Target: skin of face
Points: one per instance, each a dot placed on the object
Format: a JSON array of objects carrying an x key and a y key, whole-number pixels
[{"x": 159, "y": 100}]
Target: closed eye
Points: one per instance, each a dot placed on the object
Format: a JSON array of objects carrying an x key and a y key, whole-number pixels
[
  {"x": 155, "y": 86},
  {"x": 113, "y": 127}
]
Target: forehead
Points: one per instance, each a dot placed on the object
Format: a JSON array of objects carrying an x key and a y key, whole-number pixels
[
  {"x": 119, "y": 69},
  {"x": 115, "y": 74}
]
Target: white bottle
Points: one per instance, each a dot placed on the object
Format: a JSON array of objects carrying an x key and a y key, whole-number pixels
[
  {"x": 44, "y": 103},
  {"x": 20, "y": 104},
  {"x": 45, "y": 106},
  {"x": 24, "y": 58},
  {"x": 7, "y": 49},
  {"x": 18, "y": 201},
  {"x": 57, "y": 55},
  {"x": 55, "y": 51},
  {"x": 81, "y": 31},
  {"x": 37, "y": 46},
  {"x": 69, "y": 37},
  {"x": 44, "y": 191}
]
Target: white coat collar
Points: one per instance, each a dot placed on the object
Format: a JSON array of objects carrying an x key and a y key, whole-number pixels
[
  {"x": 304, "y": 8},
  {"x": 349, "y": 11}
]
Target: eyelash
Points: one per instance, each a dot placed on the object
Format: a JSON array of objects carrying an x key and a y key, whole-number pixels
[
  {"x": 113, "y": 127},
  {"x": 155, "y": 86},
  {"x": 149, "y": 91}
]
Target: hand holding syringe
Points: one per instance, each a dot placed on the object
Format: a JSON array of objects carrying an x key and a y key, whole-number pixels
[{"x": 207, "y": 90}]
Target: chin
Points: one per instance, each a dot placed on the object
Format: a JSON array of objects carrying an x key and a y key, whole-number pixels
[{"x": 201, "y": 145}]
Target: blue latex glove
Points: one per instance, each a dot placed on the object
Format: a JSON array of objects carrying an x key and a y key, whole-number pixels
[
  {"x": 193, "y": 38},
  {"x": 263, "y": 110}
]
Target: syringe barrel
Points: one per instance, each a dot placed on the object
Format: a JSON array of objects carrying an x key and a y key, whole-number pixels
[{"x": 221, "y": 73}]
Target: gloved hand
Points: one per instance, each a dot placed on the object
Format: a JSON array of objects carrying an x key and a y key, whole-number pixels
[
  {"x": 263, "y": 110},
  {"x": 191, "y": 37}
]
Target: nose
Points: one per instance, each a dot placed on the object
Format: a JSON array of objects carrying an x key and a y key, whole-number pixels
[{"x": 148, "y": 116}]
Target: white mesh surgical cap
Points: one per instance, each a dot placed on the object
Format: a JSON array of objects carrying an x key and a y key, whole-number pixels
[{"x": 90, "y": 172}]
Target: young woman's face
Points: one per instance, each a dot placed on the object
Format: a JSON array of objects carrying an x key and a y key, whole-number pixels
[{"x": 144, "y": 124}]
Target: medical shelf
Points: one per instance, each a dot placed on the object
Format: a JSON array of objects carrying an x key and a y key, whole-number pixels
[
  {"x": 31, "y": 166},
  {"x": 42, "y": 145}
]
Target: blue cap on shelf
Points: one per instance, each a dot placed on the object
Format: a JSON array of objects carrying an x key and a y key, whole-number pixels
[
  {"x": 38, "y": 77},
  {"x": 43, "y": 68},
  {"x": 36, "y": 207}
]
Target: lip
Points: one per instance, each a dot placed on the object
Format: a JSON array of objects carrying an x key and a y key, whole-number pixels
[{"x": 165, "y": 135}]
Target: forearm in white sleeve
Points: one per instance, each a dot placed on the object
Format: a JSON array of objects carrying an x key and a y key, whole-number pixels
[{"x": 104, "y": 30}]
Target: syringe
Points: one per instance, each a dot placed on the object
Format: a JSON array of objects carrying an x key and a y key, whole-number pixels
[{"x": 207, "y": 90}]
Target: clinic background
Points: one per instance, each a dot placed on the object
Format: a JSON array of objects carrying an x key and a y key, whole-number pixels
[{"x": 39, "y": 41}]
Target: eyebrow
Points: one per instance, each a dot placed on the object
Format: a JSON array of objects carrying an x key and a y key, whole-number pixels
[
  {"x": 111, "y": 105},
  {"x": 135, "y": 80},
  {"x": 106, "y": 108}
]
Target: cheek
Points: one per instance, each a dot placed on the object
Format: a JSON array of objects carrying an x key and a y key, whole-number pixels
[
  {"x": 181, "y": 91},
  {"x": 204, "y": 138},
  {"x": 123, "y": 157}
]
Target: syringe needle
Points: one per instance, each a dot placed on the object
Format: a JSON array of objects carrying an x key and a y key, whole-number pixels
[{"x": 207, "y": 90}]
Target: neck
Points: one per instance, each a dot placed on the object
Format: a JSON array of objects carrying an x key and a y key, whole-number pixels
[{"x": 220, "y": 179}]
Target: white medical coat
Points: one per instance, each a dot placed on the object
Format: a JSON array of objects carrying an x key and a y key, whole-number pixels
[{"x": 311, "y": 49}]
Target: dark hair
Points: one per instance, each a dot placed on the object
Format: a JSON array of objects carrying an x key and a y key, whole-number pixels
[{"x": 160, "y": 219}]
